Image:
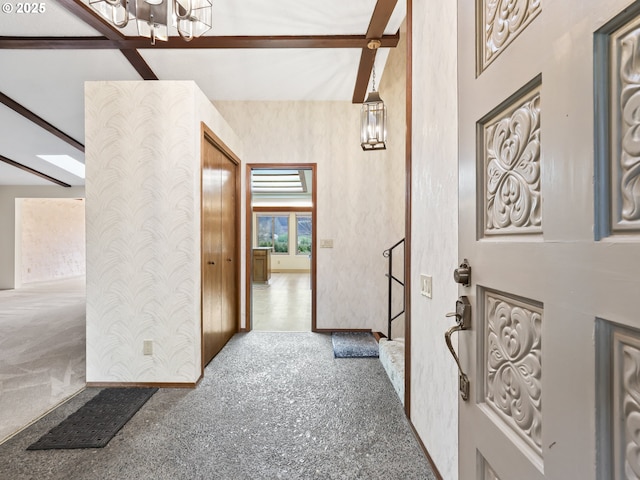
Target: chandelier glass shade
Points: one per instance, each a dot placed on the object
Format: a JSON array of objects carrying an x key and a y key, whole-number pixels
[{"x": 191, "y": 18}]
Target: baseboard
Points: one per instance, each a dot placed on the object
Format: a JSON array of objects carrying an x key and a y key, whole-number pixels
[
  {"x": 435, "y": 470},
  {"x": 331, "y": 330},
  {"x": 143, "y": 384},
  {"x": 289, "y": 270}
]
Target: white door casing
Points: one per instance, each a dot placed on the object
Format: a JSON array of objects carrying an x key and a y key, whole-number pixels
[{"x": 549, "y": 219}]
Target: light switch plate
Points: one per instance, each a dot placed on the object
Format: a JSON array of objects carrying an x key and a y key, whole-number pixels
[
  {"x": 147, "y": 347},
  {"x": 326, "y": 243},
  {"x": 426, "y": 285}
]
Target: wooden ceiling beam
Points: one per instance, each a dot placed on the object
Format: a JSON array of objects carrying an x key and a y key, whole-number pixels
[
  {"x": 41, "y": 122},
  {"x": 111, "y": 33},
  {"x": 57, "y": 43},
  {"x": 367, "y": 59},
  {"x": 213, "y": 42},
  {"x": 379, "y": 20},
  {"x": 32, "y": 171},
  {"x": 136, "y": 60}
]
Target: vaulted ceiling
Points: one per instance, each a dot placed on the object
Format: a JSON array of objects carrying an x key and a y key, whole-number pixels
[{"x": 294, "y": 50}]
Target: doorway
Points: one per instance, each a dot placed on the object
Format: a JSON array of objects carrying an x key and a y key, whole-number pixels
[{"x": 281, "y": 259}]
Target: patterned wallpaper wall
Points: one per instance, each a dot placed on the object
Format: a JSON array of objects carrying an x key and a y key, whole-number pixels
[
  {"x": 434, "y": 239},
  {"x": 143, "y": 231},
  {"x": 360, "y": 195},
  {"x": 52, "y": 239},
  {"x": 9, "y": 265}
]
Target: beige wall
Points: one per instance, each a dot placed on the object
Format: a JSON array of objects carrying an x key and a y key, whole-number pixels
[
  {"x": 51, "y": 239},
  {"x": 360, "y": 194},
  {"x": 8, "y": 196},
  {"x": 143, "y": 228},
  {"x": 434, "y": 239}
]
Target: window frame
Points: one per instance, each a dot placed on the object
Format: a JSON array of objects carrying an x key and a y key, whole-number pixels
[
  {"x": 273, "y": 231},
  {"x": 310, "y": 234}
]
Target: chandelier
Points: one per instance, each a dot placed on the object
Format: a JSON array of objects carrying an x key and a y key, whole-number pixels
[{"x": 191, "y": 18}]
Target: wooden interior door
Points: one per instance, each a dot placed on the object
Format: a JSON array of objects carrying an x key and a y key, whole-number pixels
[
  {"x": 229, "y": 294},
  {"x": 552, "y": 351},
  {"x": 220, "y": 266},
  {"x": 212, "y": 263}
]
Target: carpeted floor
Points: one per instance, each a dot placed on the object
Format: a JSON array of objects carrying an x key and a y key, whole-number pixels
[
  {"x": 42, "y": 349},
  {"x": 271, "y": 406},
  {"x": 354, "y": 345}
]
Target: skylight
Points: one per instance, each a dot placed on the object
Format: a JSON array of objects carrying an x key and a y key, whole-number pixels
[
  {"x": 278, "y": 181},
  {"x": 65, "y": 162}
]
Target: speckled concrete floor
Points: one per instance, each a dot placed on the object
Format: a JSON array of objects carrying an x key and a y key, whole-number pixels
[{"x": 271, "y": 406}]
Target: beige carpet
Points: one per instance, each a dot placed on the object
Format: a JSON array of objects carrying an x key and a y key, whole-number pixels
[{"x": 42, "y": 349}]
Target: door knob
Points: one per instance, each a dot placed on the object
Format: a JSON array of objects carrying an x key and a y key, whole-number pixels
[
  {"x": 463, "y": 322},
  {"x": 228, "y": 259},
  {"x": 462, "y": 274},
  {"x": 211, "y": 262}
]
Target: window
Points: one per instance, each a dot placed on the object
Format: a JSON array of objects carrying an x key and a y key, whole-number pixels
[
  {"x": 303, "y": 234},
  {"x": 273, "y": 231}
]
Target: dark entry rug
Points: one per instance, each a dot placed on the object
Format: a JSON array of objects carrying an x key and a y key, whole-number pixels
[
  {"x": 354, "y": 345},
  {"x": 97, "y": 421}
]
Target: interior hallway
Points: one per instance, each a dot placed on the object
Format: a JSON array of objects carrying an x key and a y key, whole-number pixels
[
  {"x": 284, "y": 304},
  {"x": 42, "y": 349},
  {"x": 271, "y": 405},
  {"x": 42, "y": 339}
]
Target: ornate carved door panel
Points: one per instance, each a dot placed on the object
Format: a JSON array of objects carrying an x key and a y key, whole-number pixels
[{"x": 550, "y": 223}]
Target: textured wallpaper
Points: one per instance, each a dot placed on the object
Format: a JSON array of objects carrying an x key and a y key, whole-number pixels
[
  {"x": 52, "y": 239},
  {"x": 434, "y": 240},
  {"x": 143, "y": 231},
  {"x": 360, "y": 198},
  {"x": 9, "y": 264}
]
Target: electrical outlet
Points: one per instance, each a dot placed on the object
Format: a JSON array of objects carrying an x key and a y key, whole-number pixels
[
  {"x": 147, "y": 347},
  {"x": 426, "y": 285}
]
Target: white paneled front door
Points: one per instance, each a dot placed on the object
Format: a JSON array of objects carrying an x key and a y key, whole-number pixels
[{"x": 549, "y": 219}]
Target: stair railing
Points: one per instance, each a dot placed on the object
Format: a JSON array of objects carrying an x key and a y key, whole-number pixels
[{"x": 388, "y": 253}]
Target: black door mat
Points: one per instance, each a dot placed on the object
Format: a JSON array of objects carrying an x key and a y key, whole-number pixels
[{"x": 97, "y": 421}]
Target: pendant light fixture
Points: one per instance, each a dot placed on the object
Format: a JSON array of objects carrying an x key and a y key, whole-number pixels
[
  {"x": 373, "y": 115},
  {"x": 191, "y": 18}
]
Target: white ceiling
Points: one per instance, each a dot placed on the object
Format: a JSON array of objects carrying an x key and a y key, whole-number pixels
[{"x": 50, "y": 82}]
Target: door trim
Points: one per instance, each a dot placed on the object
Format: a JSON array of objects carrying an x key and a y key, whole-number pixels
[
  {"x": 207, "y": 135},
  {"x": 407, "y": 209},
  {"x": 249, "y": 233}
]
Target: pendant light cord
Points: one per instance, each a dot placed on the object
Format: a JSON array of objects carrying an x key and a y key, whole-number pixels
[{"x": 374, "y": 78}]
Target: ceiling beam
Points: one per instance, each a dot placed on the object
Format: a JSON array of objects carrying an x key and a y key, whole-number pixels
[
  {"x": 41, "y": 122},
  {"x": 90, "y": 17},
  {"x": 379, "y": 20},
  {"x": 367, "y": 59},
  {"x": 57, "y": 43},
  {"x": 213, "y": 42},
  {"x": 136, "y": 60},
  {"x": 33, "y": 172}
]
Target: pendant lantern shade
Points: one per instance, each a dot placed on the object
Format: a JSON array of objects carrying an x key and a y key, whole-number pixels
[
  {"x": 152, "y": 19},
  {"x": 116, "y": 12},
  {"x": 373, "y": 123},
  {"x": 192, "y": 18}
]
